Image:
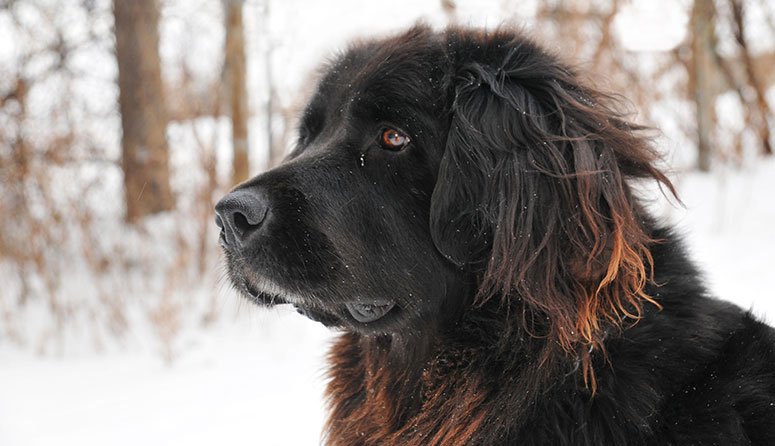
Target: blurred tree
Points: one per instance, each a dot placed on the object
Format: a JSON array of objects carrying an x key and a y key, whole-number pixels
[
  {"x": 277, "y": 115},
  {"x": 695, "y": 70},
  {"x": 234, "y": 73},
  {"x": 759, "y": 112},
  {"x": 450, "y": 10},
  {"x": 702, "y": 67},
  {"x": 145, "y": 156}
]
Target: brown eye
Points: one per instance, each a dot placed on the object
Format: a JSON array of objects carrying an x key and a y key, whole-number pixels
[{"x": 393, "y": 140}]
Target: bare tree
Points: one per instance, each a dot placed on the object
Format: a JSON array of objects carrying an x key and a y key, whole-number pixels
[
  {"x": 450, "y": 10},
  {"x": 760, "y": 113},
  {"x": 702, "y": 67},
  {"x": 234, "y": 72},
  {"x": 275, "y": 146},
  {"x": 145, "y": 155}
]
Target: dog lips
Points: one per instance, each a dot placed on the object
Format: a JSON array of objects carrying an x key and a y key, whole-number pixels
[{"x": 369, "y": 312}]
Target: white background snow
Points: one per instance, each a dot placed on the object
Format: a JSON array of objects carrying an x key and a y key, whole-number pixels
[{"x": 257, "y": 377}]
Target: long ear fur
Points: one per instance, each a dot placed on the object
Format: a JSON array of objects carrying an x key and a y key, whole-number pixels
[{"x": 532, "y": 194}]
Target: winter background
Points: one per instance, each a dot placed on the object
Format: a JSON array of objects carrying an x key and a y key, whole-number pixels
[{"x": 184, "y": 360}]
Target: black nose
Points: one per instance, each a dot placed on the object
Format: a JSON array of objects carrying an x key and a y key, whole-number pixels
[{"x": 240, "y": 214}]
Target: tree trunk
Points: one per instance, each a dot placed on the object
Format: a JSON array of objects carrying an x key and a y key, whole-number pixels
[
  {"x": 703, "y": 67},
  {"x": 275, "y": 147},
  {"x": 450, "y": 10},
  {"x": 760, "y": 108},
  {"x": 145, "y": 156},
  {"x": 234, "y": 71}
]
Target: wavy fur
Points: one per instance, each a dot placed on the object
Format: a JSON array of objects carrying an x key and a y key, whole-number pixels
[{"x": 528, "y": 297}]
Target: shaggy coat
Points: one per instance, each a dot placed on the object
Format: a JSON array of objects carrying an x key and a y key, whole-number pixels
[{"x": 460, "y": 205}]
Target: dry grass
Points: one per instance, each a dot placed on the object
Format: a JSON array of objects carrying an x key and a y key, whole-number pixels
[{"x": 65, "y": 252}]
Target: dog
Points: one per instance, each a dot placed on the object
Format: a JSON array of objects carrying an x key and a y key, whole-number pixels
[{"x": 460, "y": 204}]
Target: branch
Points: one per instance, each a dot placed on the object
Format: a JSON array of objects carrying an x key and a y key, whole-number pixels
[{"x": 761, "y": 102}]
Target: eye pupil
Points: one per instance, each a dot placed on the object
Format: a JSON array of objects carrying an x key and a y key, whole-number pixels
[{"x": 392, "y": 139}]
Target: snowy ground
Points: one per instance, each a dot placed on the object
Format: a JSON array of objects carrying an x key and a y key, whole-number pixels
[
  {"x": 258, "y": 376},
  {"x": 255, "y": 379}
]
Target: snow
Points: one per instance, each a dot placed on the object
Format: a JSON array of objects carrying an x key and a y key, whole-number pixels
[
  {"x": 661, "y": 24},
  {"x": 257, "y": 376},
  {"x": 252, "y": 380},
  {"x": 728, "y": 226}
]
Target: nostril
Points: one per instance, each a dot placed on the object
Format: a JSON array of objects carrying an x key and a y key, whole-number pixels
[
  {"x": 241, "y": 222},
  {"x": 240, "y": 214},
  {"x": 247, "y": 221},
  {"x": 242, "y": 225}
]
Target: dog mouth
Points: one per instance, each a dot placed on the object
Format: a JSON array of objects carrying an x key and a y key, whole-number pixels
[
  {"x": 371, "y": 311},
  {"x": 259, "y": 297},
  {"x": 363, "y": 311},
  {"x": 249, "y": 289}
]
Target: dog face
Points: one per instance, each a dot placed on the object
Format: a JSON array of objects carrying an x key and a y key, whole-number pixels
[
  {"x": 435, "y": 170},
  {"x": 340, "y": 229}
]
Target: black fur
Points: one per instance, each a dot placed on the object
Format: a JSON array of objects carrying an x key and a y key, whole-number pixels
[{"x": 488, "y": 237}]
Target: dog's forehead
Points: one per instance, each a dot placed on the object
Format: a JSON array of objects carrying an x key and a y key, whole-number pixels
[
  {"x": 379, "y": 72},
  {"x": 413, "y": 53}
]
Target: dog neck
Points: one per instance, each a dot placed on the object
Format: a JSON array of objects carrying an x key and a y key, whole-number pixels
[{"x": 391, "y": 390}]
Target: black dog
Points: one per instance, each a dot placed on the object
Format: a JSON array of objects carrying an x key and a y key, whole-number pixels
[{"x": 460, "y": 204}]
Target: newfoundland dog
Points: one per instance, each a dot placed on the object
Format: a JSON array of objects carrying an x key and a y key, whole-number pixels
[{"x": 460, "y": 206}]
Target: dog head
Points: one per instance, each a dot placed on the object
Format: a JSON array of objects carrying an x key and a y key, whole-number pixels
[{"x": 436, "y": 171}]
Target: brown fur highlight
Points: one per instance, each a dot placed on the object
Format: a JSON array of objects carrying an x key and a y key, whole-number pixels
[{"x": 497, "y": 280}]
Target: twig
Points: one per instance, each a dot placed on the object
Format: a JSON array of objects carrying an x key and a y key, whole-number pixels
[{"x": 761, "y": 102}]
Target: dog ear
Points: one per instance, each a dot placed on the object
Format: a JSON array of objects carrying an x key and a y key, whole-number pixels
[{"x": 532, "y": 195}]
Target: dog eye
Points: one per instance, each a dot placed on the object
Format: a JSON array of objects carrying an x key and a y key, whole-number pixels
[{"x": 392, "y": 139}]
